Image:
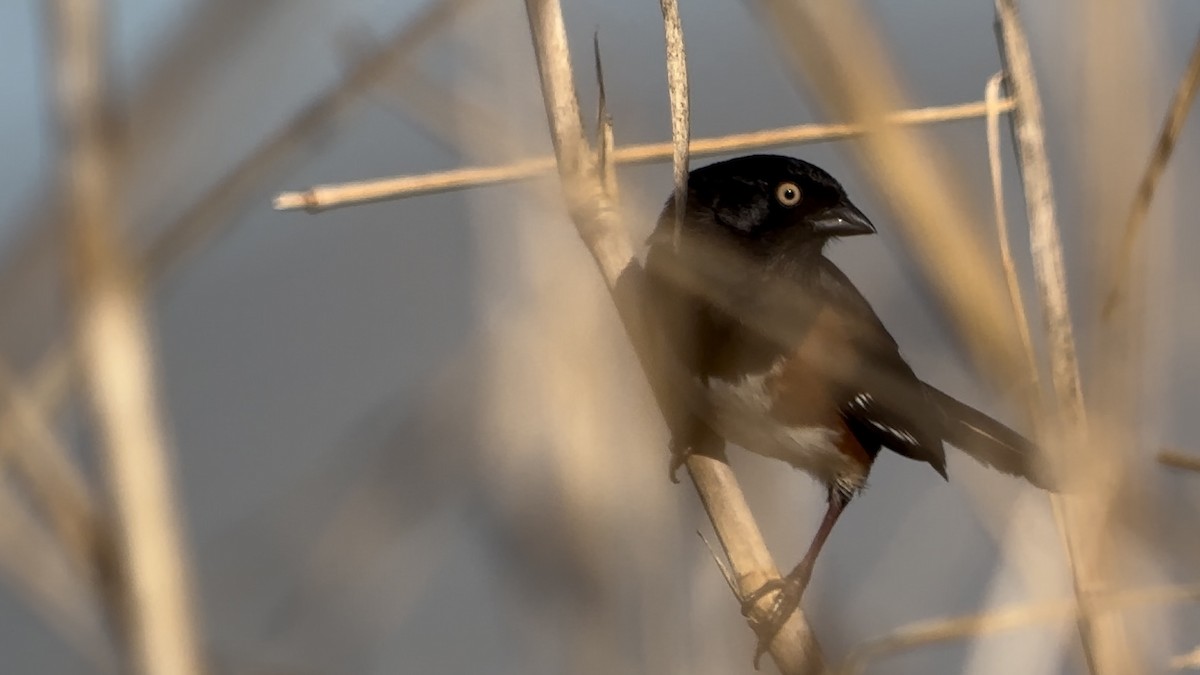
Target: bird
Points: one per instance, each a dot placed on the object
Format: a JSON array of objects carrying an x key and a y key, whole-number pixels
[{"x": 776, "y": 351}]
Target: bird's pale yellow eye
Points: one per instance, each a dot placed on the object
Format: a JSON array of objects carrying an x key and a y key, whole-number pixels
[{"x": 788, "y": 194}]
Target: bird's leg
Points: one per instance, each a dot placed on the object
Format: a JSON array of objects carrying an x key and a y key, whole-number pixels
[
  {"x": 680, "y": 451},
  {"x": 696, "y": 439},
  {"x": 789, "y": 589}
]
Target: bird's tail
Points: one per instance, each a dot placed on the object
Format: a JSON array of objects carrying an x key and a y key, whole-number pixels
[{"x": 989, "y": 442}]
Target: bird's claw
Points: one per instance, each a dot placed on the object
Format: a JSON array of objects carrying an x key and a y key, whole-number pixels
[
  {"x": 788, "y": 592},
  {"x": 679, "y": 456}
]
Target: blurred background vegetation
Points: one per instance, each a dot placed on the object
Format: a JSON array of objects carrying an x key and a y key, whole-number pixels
[{"x": 410, "y": 436}]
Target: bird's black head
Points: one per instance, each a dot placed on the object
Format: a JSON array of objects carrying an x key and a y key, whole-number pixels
[{"x": 766, "y": 203}]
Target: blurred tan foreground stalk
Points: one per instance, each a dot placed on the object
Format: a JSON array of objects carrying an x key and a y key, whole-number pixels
[
  {"x": 116, "y": 354},
  {"x": 1083, "y": 510},
  {"x": 860, "y": 85},
  {"x": 592, "y": 207}
]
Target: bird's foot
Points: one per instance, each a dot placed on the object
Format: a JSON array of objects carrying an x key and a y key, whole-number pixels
[
  {"x": 679, "y": 456},
  {"x": 788, "y": 592}
]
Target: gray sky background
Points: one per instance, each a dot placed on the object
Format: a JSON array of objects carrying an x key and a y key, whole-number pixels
[{"x": 384, "y": 351}]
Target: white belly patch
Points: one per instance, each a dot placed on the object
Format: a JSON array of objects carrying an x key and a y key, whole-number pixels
[{"x": 741, "y": 413}]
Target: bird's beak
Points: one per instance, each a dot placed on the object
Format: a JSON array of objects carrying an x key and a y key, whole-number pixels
[{"x": 843, "y": 220}]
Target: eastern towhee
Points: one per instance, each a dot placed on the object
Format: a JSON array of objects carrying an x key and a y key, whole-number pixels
[{"x": 789, "y": 359}]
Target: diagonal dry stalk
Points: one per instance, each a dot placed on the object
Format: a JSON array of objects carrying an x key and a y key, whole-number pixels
[
  {"x": 594, "y": 213},
  {"x": 1177, "y": 114},
  {"x": 116, "y": 352}
]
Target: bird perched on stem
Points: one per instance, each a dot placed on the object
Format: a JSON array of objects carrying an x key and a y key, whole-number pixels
[{"x": 783, "y": 356}]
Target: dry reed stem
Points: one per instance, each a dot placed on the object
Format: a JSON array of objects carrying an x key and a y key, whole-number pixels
[
  {"x": 587, "y": 204},
  {"x": 677, "y": 86},
  {"x": 324, "y": 197},
  {"x": 932, "y": 631},
  {"x": 593, "y": 211},
  {"x": 116, "y": 353},
  {"x": 1082, "y": 514},
  {"x": 1179, "y": 460},
  {"x": 1177, "y": 114},
  {"x": 992, "y": 99},
  {"x": 1045, "y": 242}
]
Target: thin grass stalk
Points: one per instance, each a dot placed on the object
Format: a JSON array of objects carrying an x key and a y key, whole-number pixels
[{"x": 331, "y": 196}]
